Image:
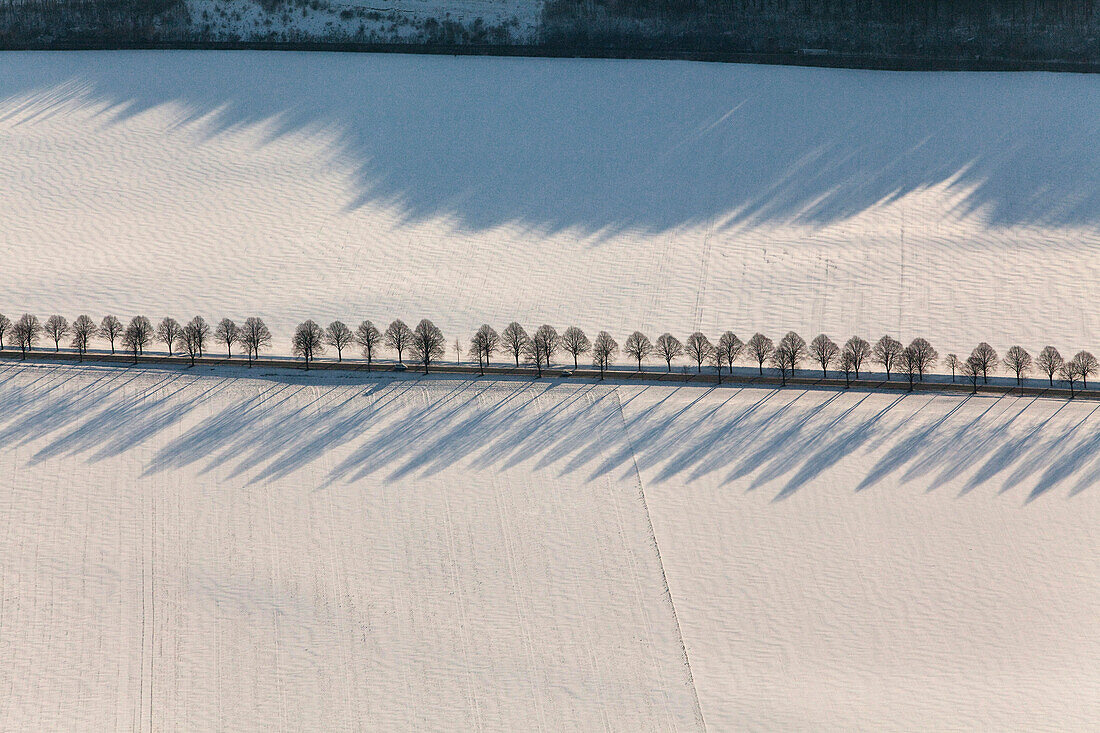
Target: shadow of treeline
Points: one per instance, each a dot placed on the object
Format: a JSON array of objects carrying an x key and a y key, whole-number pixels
[
  {"x": 601, "y": 146},
  {"x": 260, "y": 430}
]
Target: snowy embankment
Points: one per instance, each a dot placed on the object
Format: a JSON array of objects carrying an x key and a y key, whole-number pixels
[
  {"x": 619, "y": 195},
  {"x": 197, "y": 549}
]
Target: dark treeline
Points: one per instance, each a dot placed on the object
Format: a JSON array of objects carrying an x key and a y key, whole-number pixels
[
  {"x": 425, "y": 344},
  {"x": 950, "y": 29},
  {"x": 944, "y": 30}
]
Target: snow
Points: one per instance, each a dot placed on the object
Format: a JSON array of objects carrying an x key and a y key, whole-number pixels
[
  {"x": 607, "y": 194},
  {"x": 225, "y": 549}
]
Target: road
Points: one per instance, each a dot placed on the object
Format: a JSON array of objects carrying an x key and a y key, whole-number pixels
[{"x": 709, "y": 379}]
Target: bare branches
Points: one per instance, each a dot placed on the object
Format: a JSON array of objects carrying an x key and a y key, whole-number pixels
[
  {"x": 1070, "y": 372},
  {"x": 1086, "y": 365},
  {"x": 925, "y": 356},
  {"x": 886, "y": 353},
  {"x": 515, "y": 340},
  {"x": 1017, "y": 360},
  {"x": 669, "y": 348},
  {"x": 794, "y": 350},
  {"x": 137, "y": 336},
  {"x": 427, "y": 343},
  {"x": 574, "y": 342},
  {"x": 308, "y": 341},
  {"x": 1050, "y": 361},
  {"x": 729, "y": 348},
  {"x": 228, "y": 333},
  {"x": 483, "y": 345},
  {"x": 699, "y": 349},
  {"x": 823, "y": 350},
  {"x": 26, "y": 332},
  {"x": 760, "y": 348},
  {"x": 368, "y": 337},
  {"x": 859, "y": 351},
  {"x": 5, "y": 327},
  {"x": 169, "y": 331},
  {"x": 200, "y": 332},
  {"x": 987, "y": 359},
  {"x": 398, "y": 338},
  {"x": 338, "y": 336},
  {"x": 56, "y": 327},
  {"x": 255, "y": 336},
  {"x": 546, "y": 342},
  {"x": 83, "y": 331},
  {"x": 111, "y": 329},
  {"x": 638, "y": 347},
  {"x": 604, "y": 350}
]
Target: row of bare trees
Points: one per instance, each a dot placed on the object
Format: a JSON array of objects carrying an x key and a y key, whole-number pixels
[
  {"x": 425, "y": 344},
  {"x": 190, "y": 339}
]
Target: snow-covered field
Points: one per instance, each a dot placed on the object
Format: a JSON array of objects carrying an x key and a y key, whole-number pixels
[
  {"x": 609, "y": 194},
  {"x": 234, "y": 549},
  {"x": 212, "y": 549}
]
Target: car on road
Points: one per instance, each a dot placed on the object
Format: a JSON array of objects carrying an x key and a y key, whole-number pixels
[{"x": 400, "y": 368}]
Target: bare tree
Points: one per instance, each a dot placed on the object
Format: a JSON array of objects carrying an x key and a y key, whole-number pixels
[
  {"x": 169, "y": 331},
  {"x": 546, "y": 341},
  {"x": 200, "y": 331},
  {"x": 515, "y": 340},
  {"x": 823, "y": 349},
  {"x": 26, "y": 332},
  {"x": 532, "y": 354},
  {"x": 308, "y": 341},
  {"x": 1070, "y": 372},
  {"x": 604, "y": 349},
  {"x": 5, "y": 327},
  {"x": 638, "y": 347},
  {"x": 909, "y": 364},
  {"x": 483, "y": 343},
  {"x": 1050, "y": 361},
  {"x": 56, "y": 327},
  {"x": 954, "y": 363},
  {"x": 860, "y": 351},
  {"x": 987, "y": 358},
  {"x": 458, "y": 351},
  {"x": 925, "y": 355},
  {"x": 574, "y": 342},
  {"x": 83, "y": 330},
  {"x": 368, "y": 337},
  {"x": 669, "y": 348},
  {"x": 1019, "y": 361},
  {"x": 427, "y": 343},
  {"x": 255, "y": 336},
  {"x": 137, "y": 336},
  {"x": 781, "y": 360},
  {"x": 338, "y": 336},
  {"x": 487, "y": 342},
  {"x": 847, "y": 365},
  {"x": 698, "y": 349},
  {"x": 1086, "y": 365},
  {"x": 189, "y": 341},
  {"x": 111, "y": 329},
  {"x": 729, "y": 348},
  {"x": 227, "y": 333},
  {"x": 794, "y": 350},
  {"x": 760, "y": 347},
  {"x": 886, "y": 353},
  {"x": 971, "y": 370},
  {"x": 398, "y": 338}
]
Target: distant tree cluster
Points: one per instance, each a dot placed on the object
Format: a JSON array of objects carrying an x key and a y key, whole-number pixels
[{"x": 425, "y": 345}]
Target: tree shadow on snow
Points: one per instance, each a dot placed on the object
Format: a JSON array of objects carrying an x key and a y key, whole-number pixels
[{"x": 600, "y": 146}]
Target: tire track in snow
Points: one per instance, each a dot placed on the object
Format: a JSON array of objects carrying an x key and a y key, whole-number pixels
[{"x": 660, "y": 562}]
